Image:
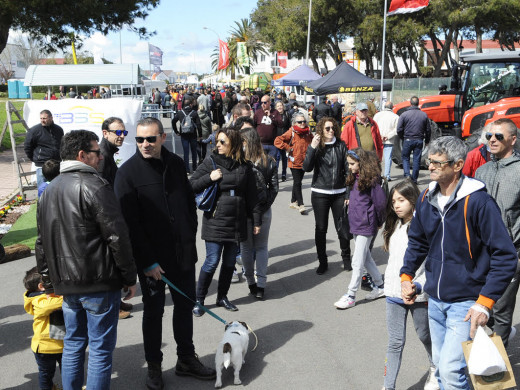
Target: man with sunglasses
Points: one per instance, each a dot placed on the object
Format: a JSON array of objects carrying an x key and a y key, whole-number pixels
[
  {"x": 267, "y": 120},
  {"x": 500, "y": 175}
]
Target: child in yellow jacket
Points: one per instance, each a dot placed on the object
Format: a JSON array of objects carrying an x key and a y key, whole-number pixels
[{"x": 48, "y": 327}]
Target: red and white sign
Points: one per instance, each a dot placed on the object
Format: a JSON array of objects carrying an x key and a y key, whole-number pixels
[
  {"x": 223, "y": 58},
  {"x": 406, "y": 6},
  {"x": 282, "y": 59}
]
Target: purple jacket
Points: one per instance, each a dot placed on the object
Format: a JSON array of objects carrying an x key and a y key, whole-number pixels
[{"x": 367, "y": 209}]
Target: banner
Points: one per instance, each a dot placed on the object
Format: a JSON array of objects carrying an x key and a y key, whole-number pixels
[
  {"x": 282, "y": 59},
  {"x": 406, "y": 6},
  {"x": 89, "y": 114},
  {"x": 155, "y": 55},
  {"x": 242, "y": 57},
  {"x": 223, "y": 57}
]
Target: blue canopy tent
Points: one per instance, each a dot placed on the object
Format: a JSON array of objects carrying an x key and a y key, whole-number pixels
[{"x": 296, "y": 77}]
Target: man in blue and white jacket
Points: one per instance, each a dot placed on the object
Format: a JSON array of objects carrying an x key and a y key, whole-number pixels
[{"x": 470, "y": 259}]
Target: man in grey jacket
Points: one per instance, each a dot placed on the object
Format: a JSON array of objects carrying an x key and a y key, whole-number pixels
[{"x": 501, "y": 178}]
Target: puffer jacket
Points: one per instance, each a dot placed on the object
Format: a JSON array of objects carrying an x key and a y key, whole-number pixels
[
  {"x": 83, "y": 244},
  {"x": 501, "y": 180},
  {"x": 236, "y": 199},
  {"x": 43, "y": 143},
  {"x": 329, "y": 165},
  {"x": 296, "y": 144},
  {"x": 205, "y": 122}
]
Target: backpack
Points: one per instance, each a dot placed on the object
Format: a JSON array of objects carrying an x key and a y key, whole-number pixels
[{"x": 187, "y": 124}]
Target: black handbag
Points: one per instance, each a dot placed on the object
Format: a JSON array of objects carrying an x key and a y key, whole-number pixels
[{"x": 205, "y": 200}]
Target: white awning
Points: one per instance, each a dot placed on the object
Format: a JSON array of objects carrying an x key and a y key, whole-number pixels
[{"x": 91, "y": 74}]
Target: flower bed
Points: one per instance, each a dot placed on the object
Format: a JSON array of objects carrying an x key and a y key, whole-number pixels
[{"x": 11, "y": 212}]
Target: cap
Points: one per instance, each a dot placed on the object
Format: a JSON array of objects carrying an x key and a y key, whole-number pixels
[{"x": 361, "y": 106}]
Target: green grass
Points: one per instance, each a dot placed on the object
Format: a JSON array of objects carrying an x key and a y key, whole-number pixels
[
  {"x": 18, "y": 127},
  {"x": 24, "y": 230}
]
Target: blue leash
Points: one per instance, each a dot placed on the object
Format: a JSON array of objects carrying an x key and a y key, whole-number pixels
[{"x": 165, "y": 280}]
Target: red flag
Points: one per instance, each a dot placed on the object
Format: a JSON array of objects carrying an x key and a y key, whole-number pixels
[
  {"x": 223, "y": 58},
  {"x": 406, "y": 6},
  {"x": 282, "y": 59}
]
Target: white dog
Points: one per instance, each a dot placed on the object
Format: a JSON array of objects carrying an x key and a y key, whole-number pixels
[{"x": 232, "y": 350}]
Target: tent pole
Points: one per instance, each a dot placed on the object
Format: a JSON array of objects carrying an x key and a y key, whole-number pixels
[
  {"x": 308, "y": 48},
  {"x": 383, "y": 61}
]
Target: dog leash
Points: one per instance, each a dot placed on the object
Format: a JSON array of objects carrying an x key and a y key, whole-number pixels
[{"x": 165, "y": 280}]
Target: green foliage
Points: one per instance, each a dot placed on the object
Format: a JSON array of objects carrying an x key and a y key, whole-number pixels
[{"x": 24, "y": 230}]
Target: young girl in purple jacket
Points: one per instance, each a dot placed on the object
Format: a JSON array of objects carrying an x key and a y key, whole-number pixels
[{"x": 366, "y": 214}]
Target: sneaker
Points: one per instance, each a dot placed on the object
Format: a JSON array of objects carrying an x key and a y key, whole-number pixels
[
  {"x": 293, "y": 205},
  {"x": 367, "y": 283},
  {"x": 375, "y": 293},
  {"x": 123, "y": 314},
  {"x": 236, "y": 277},
  {"x": 191, "y": 366},
  {"x": 154, "y": 379},
  {"x": 126, "y": 306},
  {"x": 239, "y": 259},
  {"x": 512, "y": 335},
  {"x": 301, "y": 209},
  {"x": 345, "y": 302},
  {"x": 431, "y": 382}
]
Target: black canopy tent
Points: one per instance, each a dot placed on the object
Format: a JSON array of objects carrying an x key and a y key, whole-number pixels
[{"x": 345, "y": 79}]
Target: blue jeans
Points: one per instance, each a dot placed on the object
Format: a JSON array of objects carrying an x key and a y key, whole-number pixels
[
  {"x": 228, "y": 251},
  {"x": 387, "y": 158},
  {"x": 409, "y": 146},
  {"x": 40, "y": 179},
  {"x": 282, "y": 156},
  {"x": 187, "y": 144},
  {"x": 271, "y": 150},
  {"x": 46, "y": 368},
  {"x": 90, "y": 319},
  {"x": 255, "y": 250},
  {"x": 448, "y": 330}
]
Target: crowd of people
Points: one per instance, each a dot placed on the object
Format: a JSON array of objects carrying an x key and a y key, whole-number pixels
[{"x": 453, "y": 247}]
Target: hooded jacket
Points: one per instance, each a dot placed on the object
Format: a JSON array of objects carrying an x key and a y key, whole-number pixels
[
  {"x": 468, "y": 253},
  {"x": 501, "y": 180},
  {"x": 82, "y": 245}
]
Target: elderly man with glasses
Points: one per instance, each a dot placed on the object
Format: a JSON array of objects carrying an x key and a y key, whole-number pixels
[
  {"x": 267, "y": 120},
  {"x": 500, "y": 175},
  {"x": 470, "y": 259}
]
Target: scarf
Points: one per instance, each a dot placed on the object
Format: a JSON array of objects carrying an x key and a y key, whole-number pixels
[{"x": 301, "y": 130}]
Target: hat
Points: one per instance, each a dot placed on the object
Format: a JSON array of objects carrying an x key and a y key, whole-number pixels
[{"x": 361, "y": 106}]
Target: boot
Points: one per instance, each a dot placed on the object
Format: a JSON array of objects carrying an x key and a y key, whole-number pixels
[
  {"x": 224, "y": 281},
  {"x": 322, "y": 267},
  {"x": 252, "y": 289},
  {"x": 260, "y": 293},
  {"x": 154, "y": 380},
  {"x": 192, "y": 366},
  {"x": 197, "y": 310},
  {"x": 205, "y": 279},
  {"x": 347, "y": 262}
]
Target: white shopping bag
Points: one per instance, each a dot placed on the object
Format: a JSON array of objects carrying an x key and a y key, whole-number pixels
[{"x": 484, "y": 358}]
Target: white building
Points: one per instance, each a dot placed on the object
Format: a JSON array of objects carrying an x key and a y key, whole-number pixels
[{"x": 12, "y": 61}]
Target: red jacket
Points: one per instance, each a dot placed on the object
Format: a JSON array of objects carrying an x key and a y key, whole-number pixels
[
  {"x": 296, "y": 144},
  {"x": 351, "y": 137},
  {"x": 475, "y": 159}
]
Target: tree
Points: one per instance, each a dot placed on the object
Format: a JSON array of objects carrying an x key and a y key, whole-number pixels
[
  {"x": 51, "y": 22},
  {"x": 84, "y": 57}
]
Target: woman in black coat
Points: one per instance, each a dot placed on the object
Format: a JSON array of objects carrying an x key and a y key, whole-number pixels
[
  {"x": 217, "y": 106},
  {"x": 225, "y": 226}
]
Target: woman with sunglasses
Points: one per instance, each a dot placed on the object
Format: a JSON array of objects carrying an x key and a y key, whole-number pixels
[
  {"x": 327, "y": 156},
  {"x": 224, "y": 227},
  {"x": 295, "y": 142}
]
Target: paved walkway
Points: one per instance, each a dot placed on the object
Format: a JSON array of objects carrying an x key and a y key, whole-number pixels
[{"x": 8, "y": 172}]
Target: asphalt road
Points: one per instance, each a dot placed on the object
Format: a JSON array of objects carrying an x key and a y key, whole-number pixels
[{"x": 304, "y": 341}]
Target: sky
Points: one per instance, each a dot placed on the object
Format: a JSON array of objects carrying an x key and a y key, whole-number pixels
[{"x": 186, "y": 45}]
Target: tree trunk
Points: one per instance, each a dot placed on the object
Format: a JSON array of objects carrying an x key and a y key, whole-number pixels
[
  {"x": 401, "y": 54},
  {"x": 413, "y": 56},
  {"x": 315, "y": 64},
  {"x": 4, "y": 34},
  {"x": 478, "y": 31},
  {"x": 323, "y": 58},
  {"x": 444, "y": 52},
  {"x": 394, "y": 64}
]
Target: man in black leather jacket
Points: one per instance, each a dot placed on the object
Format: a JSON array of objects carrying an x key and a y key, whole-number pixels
[
  {"x": 42, "y": 143},
  {"x": 83, "y": 253},
  {"x": 159, "y": 208}
]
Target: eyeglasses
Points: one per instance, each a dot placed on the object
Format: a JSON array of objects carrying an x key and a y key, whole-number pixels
[
  {"x": 328, "y": 128},
  {"x": 119, "y": 133},
  {"x": 265, "y": 102},
  {"x": 151, "y": 139},
  {"x": 98, "y": 151},
  {"x": 498, "y": 136},
  {"x": 300, "y": 122},
  {"x": 437, "y": 164},
  {"x": 222, "y": 141}
]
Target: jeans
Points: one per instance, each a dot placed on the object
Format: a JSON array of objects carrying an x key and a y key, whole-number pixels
[
  {"x": 40, "y": 179},
  {"x": 228, "y": 251},
  {"x": 46, "y": 368},
  {"x": 363, "y": 258},
  {"x": 396, "y": 316},
  {"x": 282, "y": 156},
  {"x": 201, "y": 150},
  {"x": 90, "y": 319},
  {"x": 254, "y": 249},
  {"x": 387, "y": 158},
  {"x": 154, "y": 297},
  {"x": 271, "y": 150},
  {"x": 297, "y": 195},
  {"x": 409, "y": 146},
  {"x": 189, "y": 142},
  {"x": 321, "y": 204},
  {"x": 448, "y": 330}
]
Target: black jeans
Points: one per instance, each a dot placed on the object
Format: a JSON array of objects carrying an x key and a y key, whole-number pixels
[
  {"x": 201, "y": 150},
  {"x": 297, "y": 196},
  {"x": 153, "y": 310},
  {"x": 46, "y": 368},
  {"x": 321, "y": 204},
  {"x": 189, "y": 143}
]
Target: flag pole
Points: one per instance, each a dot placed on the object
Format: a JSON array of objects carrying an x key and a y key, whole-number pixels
[{"x": 383, "y": 60}]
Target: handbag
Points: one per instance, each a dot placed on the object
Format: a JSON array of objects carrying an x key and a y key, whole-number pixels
[{"x": 205, "y": 200}]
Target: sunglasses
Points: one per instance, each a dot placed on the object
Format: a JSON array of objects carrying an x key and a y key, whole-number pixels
[
  {"x": 98, "y": 151},
  {"x": 437, "y": 164},
  {"x": 119, "y": 133},
  {"x": 151, "y": 139},
  {"x": 498, "y": 136},
  {"x": 328, "y": 128},
  {"x": 265, "y": 102},
  {"x": 222, "y": 141},
  {"x": 299, "y": 122}
]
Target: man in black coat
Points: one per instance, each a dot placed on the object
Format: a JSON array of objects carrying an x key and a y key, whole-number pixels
[
  {"x": 336, "y": 110},
  {"x": 159, "y": 208},
  {"x": 321, "y": 110},
  {"x": 42, "y": 143}
]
